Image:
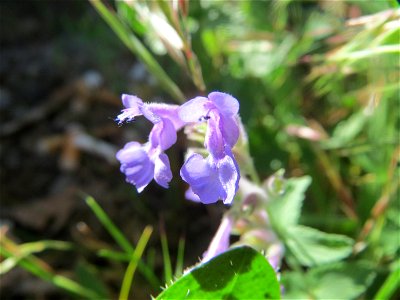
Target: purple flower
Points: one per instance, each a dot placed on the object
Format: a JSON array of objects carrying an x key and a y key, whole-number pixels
[
  {"x": 217, "y": 176},
  {"x": 154, "y": 112},
  {"x": 142, "y": 163},
  {"x": 220, "y": 241},
  {"x": 220, "y": 111},
  {"x": 133, "y": 108},
  {"x": 211, "y": 179}
]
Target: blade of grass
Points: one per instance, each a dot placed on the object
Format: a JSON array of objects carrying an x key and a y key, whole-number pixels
[
  {"x": 30, "y": 248},
  {"x": 362, "y": 54},
  {"x": 180, "y": 257},
  {"x": 40, "y": 269},
  {"x": 389, "y": 287},
  {"x": 44, "y": 245},
  {"x": 166, "y": 257},
  {"x": 135, "y": 259},
  {"x": 145, "y": 269},
  {"x": 121, "y": 241},
  {"x": 135, "y": 45},
  {"x": 151, "y": 257},
  {"x": 109, "y": 225}
]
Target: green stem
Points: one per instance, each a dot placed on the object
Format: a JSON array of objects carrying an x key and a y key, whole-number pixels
[
  {"x": 120, "y": 240},
  {"x": 109, "y": 225},
  {"x": 135, "y": 45},
  {"x": 136, "y": 256},
  {"x": 166, "y": 257},
  {"x": 35, "y": 266}
]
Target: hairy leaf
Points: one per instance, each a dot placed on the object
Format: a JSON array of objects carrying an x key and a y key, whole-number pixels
[
  {"x": 313, "y": 247},
  {"x": 241, "y": 273}
]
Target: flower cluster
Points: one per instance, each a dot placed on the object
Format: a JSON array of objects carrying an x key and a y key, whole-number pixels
[{"x": 213, "y": 178}]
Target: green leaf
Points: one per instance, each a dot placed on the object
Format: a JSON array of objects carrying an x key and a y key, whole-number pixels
[
  {"x": 286, "y": 209},
  {"x": 240, "y": 273},
  {"x": 352, "y": 278},
  {"x": 312, "y": 247},
  {"x": 335, "y": 281}
]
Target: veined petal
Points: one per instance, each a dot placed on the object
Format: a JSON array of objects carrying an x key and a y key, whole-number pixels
[
  {"x": 230, "y": 130},
  {"x": 194, "y": 110},
  {"x": 133, "y": 102},
  {"x": 214, "y": 141},
  {"x": 202, "y": 178},
  {"x": 191, "y": 196},
  {"x": 226, "y": 104},
  {"x": 162, "y": 135},
  {"x": 228, "y": 173},
  {"x": 136, "y": 165},
  {"x": 149, "y": 114},
  {"x": 162, "y": 170},
  {"x": 143, "y": 178},
  {"x": 167, "y": 111},
  {"x": 131, "y": 151},
  {"x": 133, "y": 108}
]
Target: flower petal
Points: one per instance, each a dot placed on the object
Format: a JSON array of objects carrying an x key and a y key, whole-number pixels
[
  {"x": 131, "y": 151},
  {"x": 214, "y": 141},
  {"x": 191, "y": 196},
  {"x": 202, "y": 178},
  {"x": 149, "y": 114},
  {"x": 230, "y": 130},
  {"x": 133, "y": 108},
  {"x": 162, "y": 170},
  {"x": 226, "y": 104},
  {"x": 143, "y": 178},
  {"x": 228, "y": 174},
  {"x": 194, "y": 110},
  {"x": 162, "y": 135},
  {"x": 133, "y": 102},
  {"x": 167, "y": 111},
  {"x": 220, "y": 241},
  {"x": 136, "y": 165}
]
